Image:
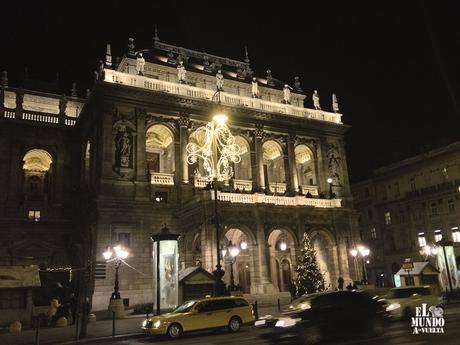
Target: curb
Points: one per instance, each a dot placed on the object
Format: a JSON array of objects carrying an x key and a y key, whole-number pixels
[{"x": 101, "y": 339}]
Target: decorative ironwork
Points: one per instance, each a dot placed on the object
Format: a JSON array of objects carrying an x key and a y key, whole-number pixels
[{"x": 215, "y": 145}]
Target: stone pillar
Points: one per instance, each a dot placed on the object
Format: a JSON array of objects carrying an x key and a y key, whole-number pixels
[
  {"x": 108, "y": 146},
  {"x": 184, "y": 123},
  {"x": 19, "y": 101},
  {"x": 62, "y": 109},
  {"x": 294, "y": 187},
  {"x": 260, "y": 179},
  {"x": 141, "y": 182}
]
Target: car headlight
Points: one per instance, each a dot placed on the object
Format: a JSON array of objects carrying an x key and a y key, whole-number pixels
[
  {"x": 144, "y": 324},
  {"x": 157, "y": 324},
  {"x": 286, "y": 322},
  {"x": 393, "y": 306}
]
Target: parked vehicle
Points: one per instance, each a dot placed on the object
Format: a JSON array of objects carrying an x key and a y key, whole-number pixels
[
  {"x": 201, "y": 314},
  {"x": 401, "y": 302},
  {"x": 326, "y": 315}
]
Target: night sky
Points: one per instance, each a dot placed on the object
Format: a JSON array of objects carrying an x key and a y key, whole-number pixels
[{"x": 395, "y": 65}]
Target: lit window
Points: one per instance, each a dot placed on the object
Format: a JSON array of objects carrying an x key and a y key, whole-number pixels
[
  {"x": 434, "y": 210},
  {"x": 455, "y": 234},
  {"x": 161, "y": 197},
  {"x": 437, "y": 235},
  {"x": 451, "y": 206},
  {"x": 387, "y": 218},
  {"x": 373, "y": 233},
  {"x": 421, "y": 239},
  {"x": 34, "y": 215}
]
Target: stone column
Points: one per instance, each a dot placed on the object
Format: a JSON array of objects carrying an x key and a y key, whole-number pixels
[
  {"x": 258, "y": 136},
  {"x": 142, "y": 185},
  {"x": 294, "y": 187},
  {"x": 184, "y": 123},
  {"x": 19, "y": 101}
]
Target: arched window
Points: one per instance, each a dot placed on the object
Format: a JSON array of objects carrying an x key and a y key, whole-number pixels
[
  {"x": 36, "y": 167},
  {"x": 305, "y": 165},
  {"x": 274, "y": 166},
  {"x": 243, "y": 168},
  {"x": 160, "y": 149}
]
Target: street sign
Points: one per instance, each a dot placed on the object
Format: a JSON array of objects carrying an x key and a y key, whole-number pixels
[{"x": 408, "y": 265}]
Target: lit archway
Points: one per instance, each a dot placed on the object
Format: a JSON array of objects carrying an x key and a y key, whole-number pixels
[
  {"x": 274, "y": 172},
  {"x": 243, "y": 267},
  {"x": 37, "y": 165},
  {"x": 282, "y": 251},
  {"x": 243, "y": 168},
  {"x": 160, "y": 149},
  {"x": 305, "y": 165}
]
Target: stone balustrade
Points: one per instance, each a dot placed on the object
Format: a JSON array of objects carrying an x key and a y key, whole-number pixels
[
  {"x": 277, "y": 187},
  {"x": 259, "y": 198},
  {"x": 242, "y": 185},
  {"x": 162, "y": 179},
  {"x": 200, "y": 182},
  {"x": 304, "y": 189},
  {"x": 112, "y": 76}
]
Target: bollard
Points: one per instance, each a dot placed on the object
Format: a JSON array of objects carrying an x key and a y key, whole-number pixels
[
  {"x": 113, "y": 324},
  {"x": 279, "y": 305},
  {"x": 37, "y": 331}
]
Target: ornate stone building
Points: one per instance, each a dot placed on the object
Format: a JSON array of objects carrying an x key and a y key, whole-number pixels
[{"x": 118, "y": 170}]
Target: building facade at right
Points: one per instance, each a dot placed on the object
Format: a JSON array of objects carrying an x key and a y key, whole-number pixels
[{"x": 406, "y": 206}]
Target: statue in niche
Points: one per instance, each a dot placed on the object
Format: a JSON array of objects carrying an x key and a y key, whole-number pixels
[
  {"x": 315, "y": 98},
  {"x": 255, "y": 88},
  {"x": 219, "y": 81},
  {"x": 181, "y": 72},
  {"x": 334, "y": 168},
  {"x": 140, "y": 64},
  {"x": 123, "y": 142}
]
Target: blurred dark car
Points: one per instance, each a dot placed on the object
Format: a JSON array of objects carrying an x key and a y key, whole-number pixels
[{"x": 324, "y": 316}]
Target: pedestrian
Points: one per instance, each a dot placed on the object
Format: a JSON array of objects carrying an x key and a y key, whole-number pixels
[
  {"x": 340, "y": 281},
  {"x": 73, "y": 307},
  {"x": 355, "y": 287},
  {"x": 349, "y": 286},
  {"x": 53, "y": 309},
  {"x": 293, "y": 290}
]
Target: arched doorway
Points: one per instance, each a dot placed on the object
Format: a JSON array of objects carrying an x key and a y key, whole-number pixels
[
  {"x": 242, "y": 263},
  {"x": 282, "y": 251},
  {"x": 326, "y": 256}
]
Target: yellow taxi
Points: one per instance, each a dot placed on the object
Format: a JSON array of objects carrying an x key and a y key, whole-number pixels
[{"x": 201, "y": 314}]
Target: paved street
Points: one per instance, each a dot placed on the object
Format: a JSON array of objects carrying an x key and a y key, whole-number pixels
[{"x": 397, "y": 333}]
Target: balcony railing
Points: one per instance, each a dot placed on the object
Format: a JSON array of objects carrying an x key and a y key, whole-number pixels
[
  {"x": 36, "y": 116},
  {"x": 304, "y": 189},
  {"x": 277, "y": 200},
  {"x": 200, "y": 182},
  {"x": 242, "y": 185},
  {"x": 112, "y": 76},
  {"x": 162, "y": 179},
  {"x": 277, "y": 187}
]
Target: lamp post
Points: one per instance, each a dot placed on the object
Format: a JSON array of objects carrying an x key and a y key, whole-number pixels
[
  {"x": 216, "y": 147},
  {"x": 447, "y": 246},
  {"x": 363, "y": 252},
  {"x": 233, "y": 251},
  {"x": 117, "y": 255}
]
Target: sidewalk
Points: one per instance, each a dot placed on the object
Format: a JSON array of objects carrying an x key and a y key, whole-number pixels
[{"x": 127, "y": 328}]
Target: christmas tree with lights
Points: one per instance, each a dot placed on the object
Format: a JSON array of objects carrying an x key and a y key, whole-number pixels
[{"x": 309, "y": 278}]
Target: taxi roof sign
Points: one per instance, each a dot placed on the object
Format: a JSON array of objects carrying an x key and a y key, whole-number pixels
[{"x": 408, "y": 265}]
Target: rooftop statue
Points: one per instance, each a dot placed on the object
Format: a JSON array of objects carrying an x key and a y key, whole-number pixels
[
  {"x": 335, "y": 103},
  {"x": 181, "y": 72},
  {"x": 255, "y": 88},
  {"x": 315, "y": 98},
  {"x": 140, "y": 63},
  {"x": 219, "y": 81},
  {"x": 286, "y": 94}
]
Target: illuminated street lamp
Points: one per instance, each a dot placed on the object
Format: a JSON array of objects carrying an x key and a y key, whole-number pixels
[
  {"x": 216, "y": 147},
  {"x": 120, "y": 255},
  {"x": 429, "y": 251},
  {"x": 331, "y": 194},
  {"x": 362, "y": 252},
  {"x": 233, "y": 251}
]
